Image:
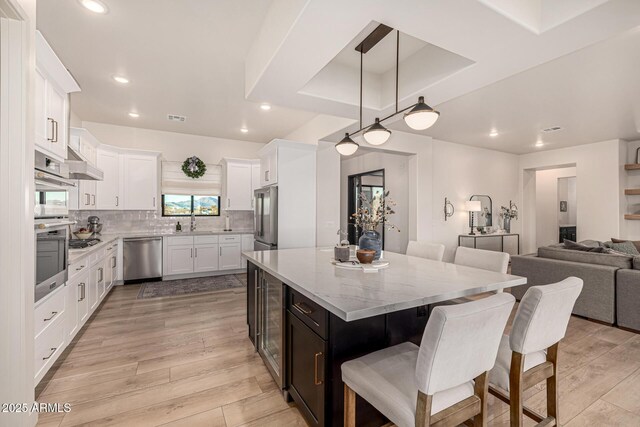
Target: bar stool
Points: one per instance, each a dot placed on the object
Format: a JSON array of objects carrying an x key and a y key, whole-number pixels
[
  {"x": 530, "y": 354},
  {"x": 434, "y": 251},
  {"x": 442, "y": 381},
  {"x": 483, "y": 259}
]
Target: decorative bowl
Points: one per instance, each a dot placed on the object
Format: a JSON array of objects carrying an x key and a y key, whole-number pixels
[
  {"x": 83, "y": 235},
  {"x": 365, "y": 256}
]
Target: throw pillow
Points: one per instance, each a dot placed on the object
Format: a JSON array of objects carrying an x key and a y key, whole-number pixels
[
  {"x": 636, "y": 243},
  {"x": 570, "y": 244},
  {"x": 625, "y": 247}
]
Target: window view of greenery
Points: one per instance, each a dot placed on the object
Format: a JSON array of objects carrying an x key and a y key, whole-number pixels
[{"x": 180, "y": 205}]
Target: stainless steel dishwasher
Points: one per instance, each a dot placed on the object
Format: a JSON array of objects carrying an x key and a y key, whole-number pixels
[{"x": 142, "y": 258}]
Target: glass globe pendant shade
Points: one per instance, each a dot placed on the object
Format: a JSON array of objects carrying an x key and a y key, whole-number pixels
[
  {"x": 377, "y": 134},
  {"x": 347, "y": 146},
  {"x": 421, "y": 116}
]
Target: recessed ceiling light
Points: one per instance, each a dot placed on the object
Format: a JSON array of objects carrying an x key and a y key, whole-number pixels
[
  {"x": 134, "y": 115},
  {"x": 121, "y": 79},
  {"x": 95, "y": 6},
  {"x": 266, "y": 107},
  {"x": 539, "y": 143},
  {"x": 493, "y": 133},
  {"x": 244, "y": 130}
]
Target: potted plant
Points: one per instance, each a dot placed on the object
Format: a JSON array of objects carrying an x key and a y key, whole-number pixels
[
  {"x": 507, "y": 214},
  {"x": 369, "y": 216}
]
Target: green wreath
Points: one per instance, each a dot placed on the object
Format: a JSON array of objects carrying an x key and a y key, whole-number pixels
[{"x": 194, "y": 168}]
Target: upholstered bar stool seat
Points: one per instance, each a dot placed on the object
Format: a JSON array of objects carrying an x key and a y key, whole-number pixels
[
  {"x": 499, "y": 375},
  {"x": 386, "y": 379},
  {"x": 444, "y": 381}
]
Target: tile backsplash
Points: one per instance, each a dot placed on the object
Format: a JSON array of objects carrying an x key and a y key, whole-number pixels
[{"x": 151, "y": 221}]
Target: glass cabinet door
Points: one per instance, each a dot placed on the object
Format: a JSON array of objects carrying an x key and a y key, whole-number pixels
[{"x": 271, "y": 322}]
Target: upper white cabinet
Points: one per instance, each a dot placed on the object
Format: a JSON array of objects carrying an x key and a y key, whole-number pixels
[
  {"x": 268, "y": 165},
  {"x": 237, "y": 184},
  {"x": 53, "y": 83},
  {"x": 108, "y": 190},
  {"x": 140, "y": 181}
]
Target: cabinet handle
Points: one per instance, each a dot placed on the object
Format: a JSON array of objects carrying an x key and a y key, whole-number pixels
[
  {"x": 93, "y": 197},
  {"x": 53, "y": 314},
  {"x": 80, "y": 268},
  {"x": 265, "y": 175},
  {"x": 196, "y": 252},
  {"x": 113, "y": 262},
  {"x": 55, "y": 127},
  {"x": 117, "y": 201},
  {"x": 154, "y": 202},
  {"x": 220, "y": 250},
  {"x": 53, "y": 350},
  {"x": 228, "y": 202},
  {"x": 302, "y": 308},
  {"x": 101, "y": 270},
  {"x": 88, "y": 199},
  {"x": 50, "y": 120},
  {"x": 191, "y": 252},
  {"x": 316, "y": 381},
  {"x": 81, "y": 286}
]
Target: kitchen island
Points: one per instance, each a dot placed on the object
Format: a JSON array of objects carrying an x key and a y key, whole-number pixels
[{"x": 307, "y": 316}]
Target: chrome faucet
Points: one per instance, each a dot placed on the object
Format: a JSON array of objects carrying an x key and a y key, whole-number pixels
[{"x": 193, "y": 222}]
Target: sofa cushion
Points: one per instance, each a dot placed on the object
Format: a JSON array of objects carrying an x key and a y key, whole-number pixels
[
  {"x": 570, "y": 244},
  {"x": 619, "y": 261},
  {"x": 636, "y": 243},
  {"x": 625, "y": 248}
]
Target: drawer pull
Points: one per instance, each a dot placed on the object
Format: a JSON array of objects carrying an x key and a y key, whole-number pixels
[
  {"x": 316, "y": 381},
  {"x": 303, "y": 308},
  {"x": 80, "y": 268},
  {"x": 53, "y": 314},
  {"x": 53, "y": 350}
]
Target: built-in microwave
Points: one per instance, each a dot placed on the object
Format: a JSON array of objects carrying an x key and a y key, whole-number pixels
[{"x": 51, "y": 188}]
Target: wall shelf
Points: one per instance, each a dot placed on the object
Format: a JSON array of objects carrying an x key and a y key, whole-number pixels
[
  {"x": 632, "y": 216},
  {"x": 632, "y": 192},
  {"x": 632, "y": 166}
]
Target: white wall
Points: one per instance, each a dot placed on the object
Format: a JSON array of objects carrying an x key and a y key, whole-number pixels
[
  {"x": 174, "y": 146},
  {"x": 547, "y": 207},
  {"x": 599, "y": 188},
  {"x": 396, "y": 182}
]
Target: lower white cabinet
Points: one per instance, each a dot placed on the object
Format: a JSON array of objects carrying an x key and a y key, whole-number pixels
[{"x": 202, "y": 254}]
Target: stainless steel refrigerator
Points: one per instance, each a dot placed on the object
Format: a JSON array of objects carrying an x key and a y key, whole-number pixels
[{"x": 266, "y": 217}]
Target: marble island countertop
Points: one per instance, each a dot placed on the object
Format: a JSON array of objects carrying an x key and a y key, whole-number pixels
[
  {"x": 107, "y": 238},
  {"x": 352, "y": 294}
]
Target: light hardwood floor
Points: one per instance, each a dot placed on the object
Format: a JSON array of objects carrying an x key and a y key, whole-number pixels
[{"x": 187, "y": 361}]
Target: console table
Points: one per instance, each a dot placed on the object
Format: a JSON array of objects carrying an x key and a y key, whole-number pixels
[{"x": 473, "y": 239}]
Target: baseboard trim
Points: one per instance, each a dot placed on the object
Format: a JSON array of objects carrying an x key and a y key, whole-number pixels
[{"x": 204, "y": 274}]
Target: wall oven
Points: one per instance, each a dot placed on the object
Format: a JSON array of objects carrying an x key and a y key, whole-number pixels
[
  {"x": 52, "y": 248},
  {"x": 52, "y": 188}
]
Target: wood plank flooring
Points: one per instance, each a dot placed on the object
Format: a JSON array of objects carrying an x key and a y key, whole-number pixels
[{"x": 187, "y": 361}]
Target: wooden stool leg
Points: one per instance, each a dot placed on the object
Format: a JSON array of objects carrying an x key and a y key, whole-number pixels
[
  {"x": 423, "y": 410},
  {"x": 349, "y": 407},
  {"x": 515, "y": 389},
  {"x": 482, "y": 391},
  {"x": 552, "y": 383}
]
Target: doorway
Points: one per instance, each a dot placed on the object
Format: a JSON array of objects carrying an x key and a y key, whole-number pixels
[
  {"x": 369, "y": 184},
  {"x": 555, "y": 205}
]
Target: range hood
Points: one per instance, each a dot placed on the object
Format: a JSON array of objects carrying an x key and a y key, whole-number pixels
[{"x": 79, "y": 168}]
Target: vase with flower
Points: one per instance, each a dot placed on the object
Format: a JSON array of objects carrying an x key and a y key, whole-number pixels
[{"x": 369, "y": 215}]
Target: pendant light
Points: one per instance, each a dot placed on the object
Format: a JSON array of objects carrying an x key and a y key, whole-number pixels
[
  {"x": 421, "y": 116},
  {"x": 377, "y": 134},
  {"x": 347, "y": 146}
]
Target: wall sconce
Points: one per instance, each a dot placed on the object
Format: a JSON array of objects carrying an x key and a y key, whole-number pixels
[{"x": 448, "y": 209}]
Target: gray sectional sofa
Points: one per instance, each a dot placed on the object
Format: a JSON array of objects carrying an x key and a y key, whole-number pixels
[{"x": 611, "y": 291}]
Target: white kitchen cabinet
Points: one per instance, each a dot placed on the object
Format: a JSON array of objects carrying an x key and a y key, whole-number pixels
[
  {"x": 113, "y": 264},
  {"x": 237, "y": 192},
  {"x": 179, "y": 260},
  {"x": 140, "y": 181},
  {"x": 77, "y": 310},
  {"x": 205, "y": 257},
  {"x": 87, "y": 195},
  {"x": 269, "y": 167},
  {"x": 230, "y": 255},
  {"x": 108, "y": 190},
  {"x": 53, "y": 83},
  {"x": 247, "y": 245}
]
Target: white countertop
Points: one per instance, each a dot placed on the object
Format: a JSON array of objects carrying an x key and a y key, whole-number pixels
[
  {"x": 106, "y": 238},
  {"x": 352, "y": 294}
]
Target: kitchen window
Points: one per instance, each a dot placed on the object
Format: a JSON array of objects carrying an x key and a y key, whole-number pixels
[{"x": 183, "y": 205}]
